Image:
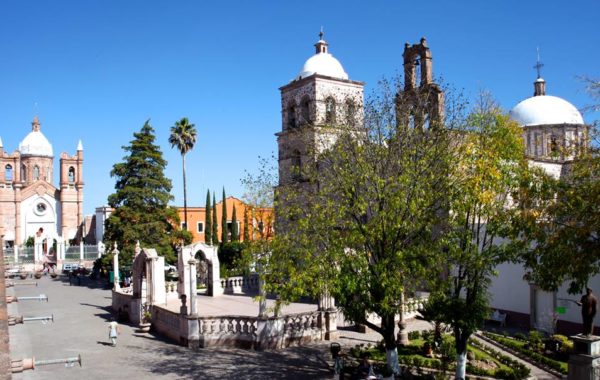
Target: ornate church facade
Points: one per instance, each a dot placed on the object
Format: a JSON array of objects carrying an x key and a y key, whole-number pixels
[{"x": 30, "y": 204}]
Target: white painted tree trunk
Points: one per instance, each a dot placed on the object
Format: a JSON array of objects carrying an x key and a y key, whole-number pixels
[
  {"x": 461, "y": 366},
  {"x": 392, "y": 360}
]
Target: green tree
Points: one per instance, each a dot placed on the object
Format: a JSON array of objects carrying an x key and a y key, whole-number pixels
[
  {"x": 224, "y": 229},
  {"x": 140, "y": 201},
  {"x": 215, "y": 226},
  {"x": 207, "y": 220},
  {"x": 234, "y": 225},
  {"x": 488, "y": 169},
  {"x": 359, "y": 226},
  {"x": 246, "y": 231},
  {"x": 183, "y": 136}
]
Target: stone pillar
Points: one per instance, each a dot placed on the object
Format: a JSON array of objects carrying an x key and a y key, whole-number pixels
[
  {"x": 16, "y": 253},
  {"x": 115, "y": 267},
  {"x": 192, "y": 265},
  {"x": 402, "y": 333},
  {"x": 327, "y": 306},
  {"x": 585, "y": 362},
  {"x": 81, "y": 257}
]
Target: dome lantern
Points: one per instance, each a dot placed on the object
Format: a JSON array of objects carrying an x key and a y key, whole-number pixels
[{"x": 322, "y": 63}]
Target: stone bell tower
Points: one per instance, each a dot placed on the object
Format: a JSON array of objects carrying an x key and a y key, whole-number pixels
[
  {"x": 71, "y": 193},
  {"x": 421, "y": 103},
  {"x": 320, "y": 97}
]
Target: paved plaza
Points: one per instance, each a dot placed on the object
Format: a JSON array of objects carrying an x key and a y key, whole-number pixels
[{"x": 81, "y": 314}]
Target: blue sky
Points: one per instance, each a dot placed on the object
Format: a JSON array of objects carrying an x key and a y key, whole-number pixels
[{"x": 96, "y": 70}]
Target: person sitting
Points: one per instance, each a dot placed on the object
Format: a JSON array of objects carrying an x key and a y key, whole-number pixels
[{"x": 365, "y": 369}]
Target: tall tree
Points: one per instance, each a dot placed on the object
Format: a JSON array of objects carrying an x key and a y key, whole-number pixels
[
  {"x": 246, "y": 229},
  {"x": 224, "y": 229},
  {"x": 234, "y": 225},
  {"x": 207, "y": 220},
  {"x": 183, "y": 136},
  {"x": 359, "y": 225},
  {"x": 215, "y": 226},
  {"x": 140, "y": 201},
  {"x": 487, "y": 171}
]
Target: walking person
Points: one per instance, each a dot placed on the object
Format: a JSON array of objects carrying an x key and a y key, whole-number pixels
[{"x": 113, "y": 331}]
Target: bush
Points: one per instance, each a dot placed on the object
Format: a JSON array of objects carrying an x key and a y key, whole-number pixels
[
  {"x": 412, "y": 335},
  {"x": 521, "y": 336}
]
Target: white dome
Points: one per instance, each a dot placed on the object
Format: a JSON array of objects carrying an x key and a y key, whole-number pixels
[
  {"x": 545, "y": 110},
  {"x": 323, "y": 64},
  {"x": 35, "y": 144}
]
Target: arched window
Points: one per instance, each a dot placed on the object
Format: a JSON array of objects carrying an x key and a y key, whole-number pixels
[
  {"x": 350, "y": 113},
  {"x": 291, "y": 116},
  {"x": 330, "y": 111},
  {"x": 71, "y": 174},
  {"x": 296, "y": 167},
  {"x": 36, "y": 173},
  {"x": 23, "y": 173},
  {"x": 305, "y": 108},
  {"x": 8, "y": 173}
]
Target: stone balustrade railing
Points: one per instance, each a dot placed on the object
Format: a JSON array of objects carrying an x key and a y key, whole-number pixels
[
  {"x": 260, "y": 333},
  {"x": 240, "y": 284},
  {"x": 166, "y": 322}
]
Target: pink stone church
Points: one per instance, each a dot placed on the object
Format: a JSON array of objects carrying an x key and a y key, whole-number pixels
[{"x": 29, "y": 201}]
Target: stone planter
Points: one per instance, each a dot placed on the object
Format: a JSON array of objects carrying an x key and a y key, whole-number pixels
[
  {"x": 145, "y": 326},
  {"x": 37, "y": 275},
  {"x": 53, "y": 275},
  {"x": 23, "y": 276}
]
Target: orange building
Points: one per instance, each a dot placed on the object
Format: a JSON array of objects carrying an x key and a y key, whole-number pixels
[{"x": 258, "y": 219}]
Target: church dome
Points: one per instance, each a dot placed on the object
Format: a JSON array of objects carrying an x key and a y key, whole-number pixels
[
  {"x": 322, "y": 63},
  {"x": 542, "y": 109},
  {"x": 35, "y": 143}
]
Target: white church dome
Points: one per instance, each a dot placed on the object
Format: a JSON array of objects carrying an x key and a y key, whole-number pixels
[
  {"x": 544, "y": 110},
  {"x": 35, "y": 143},
  {"x": 322, "y": 63}
]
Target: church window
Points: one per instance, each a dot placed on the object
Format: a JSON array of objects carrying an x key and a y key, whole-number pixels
[
  {"x": 36, "y": 173},
  {"x": 71, "y": 174},
  {"x": 200, "y": 227},
  {"x": 350, "y": 113},
  {"x": 291, "y": 116},
  {"x": 23, "y": 173},
  {"x": 329, "y": 110},
  {"x": 8, "y": 173},
  {"x": 305, "y": 107},
  {"x": 296, "y": 166}
]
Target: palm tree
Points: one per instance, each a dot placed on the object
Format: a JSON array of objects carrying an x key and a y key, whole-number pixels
[{"x": 183, "y": 136}]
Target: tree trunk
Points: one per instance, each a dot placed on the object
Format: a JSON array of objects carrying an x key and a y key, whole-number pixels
[
  {"x": 461, "y": 354},
  {"x": 187, "y": 228},
  {"x": 391, "y": 352}
]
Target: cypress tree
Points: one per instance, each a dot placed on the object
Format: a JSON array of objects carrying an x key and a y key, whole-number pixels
[
  {"x": 234, "y": 226},
  {"x": 207, "y": 220},
  {"x": 246, "y": 224},
  {"x": 215, "y": 227},
  {"x": 224, "y": 232}
]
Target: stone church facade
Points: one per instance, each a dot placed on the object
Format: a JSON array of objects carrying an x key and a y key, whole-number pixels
[
  {"x": 554, "y": 132},
  {"x": 30, "y": 203}
]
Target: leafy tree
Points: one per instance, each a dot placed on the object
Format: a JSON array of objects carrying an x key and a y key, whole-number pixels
[
  {"x": 207, "y": 220},
  {"x": 359, "y": 226},
  {"x": 183, "y": 136},
  {"x": 246, "y": 233},
  {"x": 215, "y": 226},
  {"x": 140, "y": 201},
  {"x": 488, "y": 170},
  {"x": 224, "y": 229},
  {"x": 234, "y": 225}
]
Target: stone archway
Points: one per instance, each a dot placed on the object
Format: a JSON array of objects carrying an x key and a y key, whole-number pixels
[
  {"x": 148, "y": 282},
  {"x": 203, "y": 271},
  {"x": 209, "y": 256}
]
